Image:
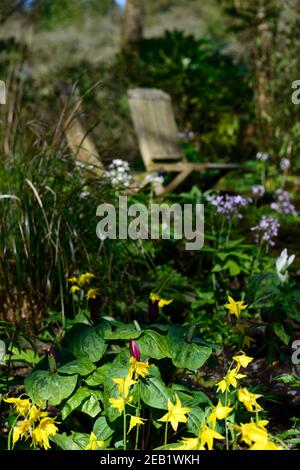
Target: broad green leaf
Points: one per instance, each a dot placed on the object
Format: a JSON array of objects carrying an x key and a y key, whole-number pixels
[
  {"x": 155, "y": 394},
  {"x": 124, "y": 332},
  {"x": 102, "y": 429},
  {"x": 45, "y": 386},
  {"x": 99, "y": 375},
  {"x": 79, "y": 366},
  {"x": 87, "y": 342},
  {"x": 74, "y": 401},
  {"x": 196, "y": 419},
  {"x": 154, "y": 345},
  {"x": 65, "y": 442},
  {"x": 91, "y": 406},
  {"x": 185, "y": 355}
]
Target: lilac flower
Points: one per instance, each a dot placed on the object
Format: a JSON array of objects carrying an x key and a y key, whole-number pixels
[
  {"x": 266, "y": 230},
  {"x": 285, "y": 164},
  {"x": 258, "y": 190},
  {"x": 262, "y": 156},
  {"x": 283, "y": 203},
  {"x": 228, "y": 205}
]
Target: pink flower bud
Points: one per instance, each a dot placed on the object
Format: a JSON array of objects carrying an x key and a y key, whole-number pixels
[{"x": 134, "y": 350}]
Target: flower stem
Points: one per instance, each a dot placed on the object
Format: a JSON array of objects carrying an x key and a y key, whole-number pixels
[
  {"x": 124, "y": 429},
  {"x": 166, "y": 433},
  {"x": 138, "y": 414}
]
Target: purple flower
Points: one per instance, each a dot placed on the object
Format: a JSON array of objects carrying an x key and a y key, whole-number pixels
[
  {"x": 283, "y": 203},
  {"x": 134, "y": 350},
  {"x": 258, "y": 190},
  {"x": 266, "y": 230},
  {"x": 262, "y": 156},
  {"x": 285, "y": 164},
  {"x": 228, "y": 205}
]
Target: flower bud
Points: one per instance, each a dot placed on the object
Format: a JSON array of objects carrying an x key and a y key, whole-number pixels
[{"x": 134, "y": 350}]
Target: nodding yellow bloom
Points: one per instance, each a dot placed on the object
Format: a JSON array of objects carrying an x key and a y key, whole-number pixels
[
  {"x": 207, "y": 437},
  {"x": 249, "y": 400},
  {"x": 21, "y": 405},
  {"x": 135, "y": 421},
  {"x": 22, "y": 429},
  {"x": 247, "y": 341},
  {"x": 189, "y": 443},
  {"x": 138, "y": 369},
  {"x": 176, "y": 413},
  {"x": 119, "y": 403},
  {"x": 254, "y": 433},
  {"x": 230, "y": 379},
  {"x": 93, "y": 443},
  {"x": 219, "y": 412},
  {"x": 242, "y": 360},
  {"x": 234, "y": 307},
  {"x": 92, "y": 293},
  {"x": 85, "y": 278},
  {"x": 269, "y": 445},
  {"x": 124, "y": 385},
  {"x": 73, "y": 280},
  {"x": 161, "y": 302},
  {"x": 45, "y": 428},
  {"x": 36, "y": 413},
  {"x": 74, "y": 289}
]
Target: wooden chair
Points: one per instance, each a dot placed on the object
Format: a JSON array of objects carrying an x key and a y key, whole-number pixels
[{"x": 156, "y": 130}]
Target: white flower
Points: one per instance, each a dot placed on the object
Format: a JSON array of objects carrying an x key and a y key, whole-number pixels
[
  {"x": 119, "y": 173},
  {"x": 2, "y": 353},
  {"x": 285, "y": 164},
  {"x": 262, "y": 156},
  {"x": 282, "y": 264},
  {"x": 155, "y": 179}
]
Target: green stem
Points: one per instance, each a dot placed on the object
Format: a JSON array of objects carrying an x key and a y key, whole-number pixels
[
  {"x": 138, "y": 414},
  {"x": 124, "y": 429},
  {"x": 166, "y": 433},
  {"x": 10, "y": 432}
]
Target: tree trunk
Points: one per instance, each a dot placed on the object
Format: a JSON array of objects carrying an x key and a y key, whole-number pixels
[{"x": 133, "y": 22}]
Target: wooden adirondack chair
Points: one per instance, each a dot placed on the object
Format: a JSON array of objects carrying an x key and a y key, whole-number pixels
[
  {"x": 156, "y": 130},
  {"x": 79, "y": 140}
]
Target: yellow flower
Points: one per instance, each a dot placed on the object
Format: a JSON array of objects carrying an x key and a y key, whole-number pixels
[
  {"x": 254, "y": 433},
  {"x": 249, "y": 400},
  {"x": 161, "y": 302},
  {"x": 137, "y": 368},
  {"x": 92, "y": 293},
  {"x": 189, "y": 443},
  {"x": 119, "y": 403},
  {"x": 21, "y": 405},
  {"x": 85, "y": 278},
  {"x": 234, "y": 307},
  {"x": 73, "y": 280},
  {"x": 268, "y": 445},
  {"x": 247, "y": 341},
  {"x": 22, "y": 429},
  {"x": 207, "y": 437},
  {"x": 74, "y": 289},
  {"x": 135, "y": 421},
  {"x": 124, "y": 385},
  {"x": 176, "y": 413},
  {"x": 93, "y": 443},
  {"x": 230, "y": 379},
  {"x": 219, "y": 412},
  {"x": 36, "y": 413},
  {"x": 45, "y": 428},
  {"x": 242, "y": 361}
]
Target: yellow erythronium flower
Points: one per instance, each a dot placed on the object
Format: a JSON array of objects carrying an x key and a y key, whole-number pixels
[
  {"x": 45, "y": 428},
  {"x": 22, "y": 429},
  {"x": 21, "y": 405},
  {"x": 189, "y": 443},
  {"x": 85, "y": 278},
  {"x": 219, "y": 412},
  {"x": 247, "y": 341},
  {"x": 249, "y": 400},
  {"x": 207, "y": 437},
  {"x": 242, "y": 360},
  {"x": 93, "y": 443},
  {"x": 119, "y": 403},
  {"x": 254, "y": 433},
  {"x": 176, "y": 413},
  {"x": 135, "y": 421},
  {"x": 161, "y": 302},
  {"x": 268, "y": 445},
  {"x": 36, "y": 413},
  {"x": 92, "y": 293},
  {"x": 138, "y": 369},
  {"x": 234, "y": 307},
  {"x": 74, "y": 289},
  {"x": 124, "y": 385},
  {"x": 73, "y": 280},
  {"x": 230, "y": 379}
]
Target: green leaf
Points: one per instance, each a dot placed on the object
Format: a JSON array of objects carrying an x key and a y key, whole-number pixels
[
  {"x": 87, "y": 342},
  {"x": 185, "y": 355},
  {"x": 45, "y": 386},
  {"x": 91, "y": 406},
  {"x": 281, "y": 333},
  {"x": 102, "y": 429},
  {"x": 65, "y": 442},
  {"x": 196, "y": 418},
  {"x": 155, "y": 394},
  {"x": 111, "y": 391},
  {"x": 99, "y": 375},
  {"x": 79, "y": 366},
  {"x": 154, "y": 345},
  {"x": 74, "y": 401},
  {"x": 124, "y": 332}
]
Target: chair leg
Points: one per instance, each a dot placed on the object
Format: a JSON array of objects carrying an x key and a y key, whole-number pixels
[{"x": 161, "y": 190}]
